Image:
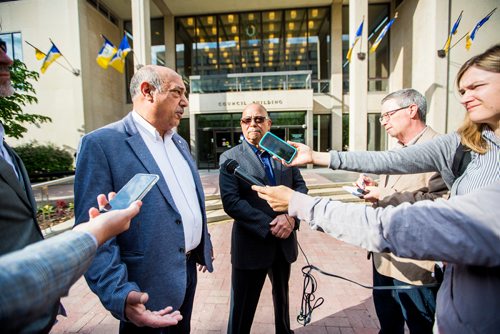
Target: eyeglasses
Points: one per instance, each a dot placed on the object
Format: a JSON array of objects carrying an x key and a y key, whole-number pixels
[
  {"x": 387, "y": 115},
  {"x": 3, "y": 46},
  {"x": 256, "y": 119}
]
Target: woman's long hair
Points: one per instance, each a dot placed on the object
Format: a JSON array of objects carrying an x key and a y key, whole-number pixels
[{"x": 469, "y": 131}]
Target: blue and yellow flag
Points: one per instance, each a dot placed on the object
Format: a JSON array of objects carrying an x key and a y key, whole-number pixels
[
  {"x": 39, "y": 54},
  {"x": 106, "y": 53},
  {"x": 472, "y": 34},
  {"x": 382, "y": 34},
  {"x": 452, "y": 32},
  {"x": 51, "y": 57},
  {"x": 118, "y": 60},
  {"x": 357, "y": 37}
]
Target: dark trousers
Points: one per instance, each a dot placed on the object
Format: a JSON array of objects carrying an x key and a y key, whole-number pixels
[
  {"x": 394, "y": 307},
  {"x": 186, "y": 309},
  {"x": 246, "y": 286}
]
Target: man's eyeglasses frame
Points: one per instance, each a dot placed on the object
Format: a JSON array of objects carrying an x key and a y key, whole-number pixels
[
  {"x": 256, "y": 119},
  {"x": 387, "y": 115}
]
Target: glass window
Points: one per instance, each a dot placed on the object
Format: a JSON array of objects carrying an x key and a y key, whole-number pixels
[
  {"x": 296, "y": 40},
  {"x": 322, "y": 133},
  {"x": 272, "y": 44},
  {"x": 268, "y": 41},
  {"x": 229, "y": 42},
  {"x": 378, "y": 62},
  {"x": 376, "y": 134},
  {"x": 14, "y": 45},
  {"x": 251, "y": 45},
  {"x": 206, "y": 45}
]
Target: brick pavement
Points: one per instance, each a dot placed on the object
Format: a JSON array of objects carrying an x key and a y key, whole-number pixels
[{"x": 347, "y": 308}]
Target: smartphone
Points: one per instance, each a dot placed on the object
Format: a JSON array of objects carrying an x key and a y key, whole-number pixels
[
  {"x": 278, "y": 147},
  {"x": 135, "y": 189},
  {"x": 358, "y": 192}
]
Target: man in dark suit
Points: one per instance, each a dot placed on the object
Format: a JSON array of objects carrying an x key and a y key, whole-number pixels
[
  {"x": 159, "y": 253},
  {"x": 18, "y": 224},
  {"x": 263, "y": 242}
]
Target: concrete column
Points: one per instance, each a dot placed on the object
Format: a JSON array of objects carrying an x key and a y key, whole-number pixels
[
  {"x": 169, "y": 26},
  {"x": 336, "y": 90},
  {"x": 309, "y": 131},
  {"x": 358, "y": 78},
  {"x": 141, "y": 29},
  {"x": 309, "y": 128},
  {"x": 436, "y": 85}
]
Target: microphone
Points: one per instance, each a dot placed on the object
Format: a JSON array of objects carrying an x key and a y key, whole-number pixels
[{"x": 233, "y": 167}]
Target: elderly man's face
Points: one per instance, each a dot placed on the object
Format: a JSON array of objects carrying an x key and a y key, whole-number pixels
[
  {"x": 5, "y": 62},
  {"x": 254, "y": 123},
  {"x": 170, "y": 103}
]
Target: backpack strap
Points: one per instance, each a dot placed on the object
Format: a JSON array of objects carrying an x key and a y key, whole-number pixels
[{"x": 461, "y": 160}]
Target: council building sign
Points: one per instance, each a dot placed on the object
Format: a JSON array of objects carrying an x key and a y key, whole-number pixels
[{"x": 300, "y": 99}]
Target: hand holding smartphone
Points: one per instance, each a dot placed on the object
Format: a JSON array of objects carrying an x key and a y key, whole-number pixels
[
  {"x": 358, "y": 192},
  {"x": 135, "y": 190},
  {"x": 278, "y": 147}
]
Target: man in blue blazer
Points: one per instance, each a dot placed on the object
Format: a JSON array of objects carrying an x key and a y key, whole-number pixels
[
  {"x": 159, "y": 253},
  {"x": 263, "y": 242}
]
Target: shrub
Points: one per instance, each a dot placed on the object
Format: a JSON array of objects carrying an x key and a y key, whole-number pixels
[{"x": 45, "y": 162}]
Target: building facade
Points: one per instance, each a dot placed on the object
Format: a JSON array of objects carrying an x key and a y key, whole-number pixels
[{"x": 290, "y": 56}]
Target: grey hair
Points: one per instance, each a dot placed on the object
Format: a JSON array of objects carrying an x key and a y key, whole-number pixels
[
  {"x": 408, "y": 96},
  {"x": 146, "y": 74}
]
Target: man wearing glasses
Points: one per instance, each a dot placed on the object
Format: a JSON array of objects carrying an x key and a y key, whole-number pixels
[
  {"x": 263, "y": 242},
  {"x": 403, "y": 117}
]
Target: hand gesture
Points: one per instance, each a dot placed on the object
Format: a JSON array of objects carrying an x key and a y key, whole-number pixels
[
  {"x": 282, "y": 226},
  {"x": 304, "y": 155},
  {"x": 107, "y": 225},
  {"x": 372, "y": 195},
  {"x": 204, "y": 268},
  {"x": 136, "y": 312},
  {"x": 277, "y": 197},
  {"x": 364, "y": 181}
]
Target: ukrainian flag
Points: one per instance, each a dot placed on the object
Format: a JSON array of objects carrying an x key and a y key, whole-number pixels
[
  {"x": 472, "y": 34},
  {"x": 452, "y": 32},
  {"x": 359, "y": 32},
  {"x": 118, "y": 60},
  {"x": 382, "y": 34},
  {"x": 51, "y": 57},
  {"x": 106, "y": 53}
]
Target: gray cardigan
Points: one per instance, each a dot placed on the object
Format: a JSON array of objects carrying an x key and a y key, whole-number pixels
[
  {"x": 435, "y": 155},
  {"x": 463, "y": 231}
]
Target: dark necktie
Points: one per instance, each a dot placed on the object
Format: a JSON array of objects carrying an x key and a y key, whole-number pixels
[{"x": 265, "y": 158}]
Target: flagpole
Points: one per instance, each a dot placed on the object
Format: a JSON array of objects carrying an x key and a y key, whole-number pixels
[
  {"x": 139, "y": 65},
  {"x": 451, "y": 47},
  {"x": 75, "y": 71},
  {"x": 58, "y": 63}
]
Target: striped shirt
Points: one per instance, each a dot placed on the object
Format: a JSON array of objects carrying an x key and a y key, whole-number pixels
[{"x": 484, "y": 169}]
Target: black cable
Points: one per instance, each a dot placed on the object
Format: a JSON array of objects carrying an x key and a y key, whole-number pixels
[{"x": 308, "y": 297}]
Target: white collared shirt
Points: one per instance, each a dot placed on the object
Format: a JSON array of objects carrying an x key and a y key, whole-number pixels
[
  {"x": 177, "y": 174},
  {"x": 3, "y": 151}
]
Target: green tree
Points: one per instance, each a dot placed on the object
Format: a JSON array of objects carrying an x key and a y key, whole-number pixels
[{"x": 11, "y": 113}]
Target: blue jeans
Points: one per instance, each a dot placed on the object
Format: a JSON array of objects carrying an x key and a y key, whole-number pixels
[{"x": 416, "y": 307}]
